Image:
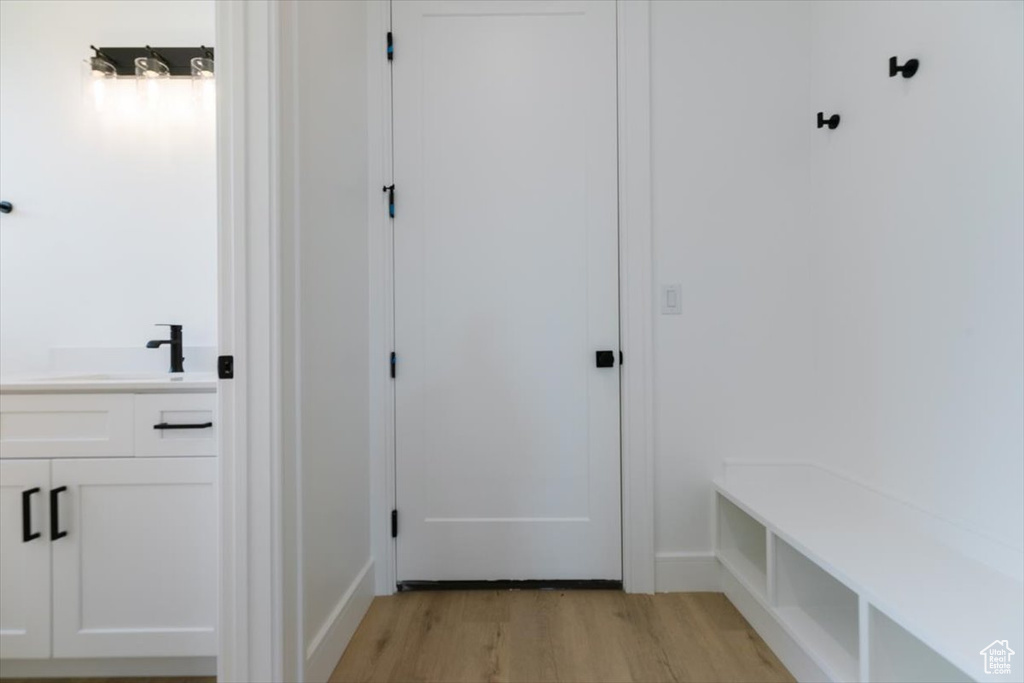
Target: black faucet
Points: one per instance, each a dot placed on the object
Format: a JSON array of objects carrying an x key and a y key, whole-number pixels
[{"x": 177, "y": 359}]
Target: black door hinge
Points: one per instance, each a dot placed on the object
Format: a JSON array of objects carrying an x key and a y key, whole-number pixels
[
  {"x": 226, "y": 367},
  {"x": 390, "y": 189},
  {"x": 394, "y": 362},
  {"x": 394, "y": 524},
  {"x": 391, "y": 46}
]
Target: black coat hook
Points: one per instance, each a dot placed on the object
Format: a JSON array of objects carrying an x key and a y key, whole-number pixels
[
  {"x": 908, "y": 70},
  {"x": 6, "y": 207},
  {"x": 832, "y": 122}
]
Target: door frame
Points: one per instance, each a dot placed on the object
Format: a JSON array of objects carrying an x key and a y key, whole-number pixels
[
  {"x": 636, "y": 296},
  {"x": 256, "y": 499},
  {"x": 252, "y": 494}
]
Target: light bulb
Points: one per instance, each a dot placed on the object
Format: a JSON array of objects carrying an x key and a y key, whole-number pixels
[
  {"x": 97, "y": 76},
  {"x": 149, "y": 73},
  {"x": 204, "y": 90}
]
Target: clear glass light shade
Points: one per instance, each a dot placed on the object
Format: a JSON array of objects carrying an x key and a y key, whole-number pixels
[
  {"x": 150, "y": 75},
  {"x": 204, "y": 89},
  {"x": 98, "y": 76}
]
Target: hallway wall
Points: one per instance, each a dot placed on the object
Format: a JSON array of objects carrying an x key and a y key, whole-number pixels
[
  {"x": 853, "y": 297},
  {"x": 918, "y": 225},
  {"x": 730, "y": 164},
  {"x": 326, "y": 313}
]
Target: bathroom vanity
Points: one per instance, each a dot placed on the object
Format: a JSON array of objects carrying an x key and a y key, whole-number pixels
[{"x": 108, "y": 517}]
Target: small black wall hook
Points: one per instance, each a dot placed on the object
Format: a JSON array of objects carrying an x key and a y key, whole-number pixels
[
  {"x": 6, "y": 207},
  {"x": 908, "y": 69},
  {"x": 832, "y": 122}
]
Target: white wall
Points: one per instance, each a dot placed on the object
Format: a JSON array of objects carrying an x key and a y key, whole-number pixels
[
  {"x": 730, "y": 136},
  {"x": 852, "y": 297},
  {"x": 918, "y": 218},
  {"x": 326, "y": 310},
  {"x": 114, "y": 225}
]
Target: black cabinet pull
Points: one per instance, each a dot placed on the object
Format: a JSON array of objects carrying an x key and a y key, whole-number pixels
[
  {"x": 605, "y": 359},
  {"x": 55, "y": 531},
  {"x": 26, "y": 516},
  {"x": 197, "y": 425}
]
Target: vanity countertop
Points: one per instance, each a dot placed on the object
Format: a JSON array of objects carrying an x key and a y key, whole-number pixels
[{"x": 109, "y": 383}]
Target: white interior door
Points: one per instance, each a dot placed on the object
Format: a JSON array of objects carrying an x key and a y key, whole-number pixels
[
  {"x": 24, "y": 559},
  {"x": 506, "y": 286}
]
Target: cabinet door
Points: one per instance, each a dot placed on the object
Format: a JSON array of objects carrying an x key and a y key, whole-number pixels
[
  {"x": 24, "y": 559},
  {"x": 136, "y": 574}
]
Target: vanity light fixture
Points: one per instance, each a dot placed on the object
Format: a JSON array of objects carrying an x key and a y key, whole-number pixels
[{"x": 152, "y": 68}]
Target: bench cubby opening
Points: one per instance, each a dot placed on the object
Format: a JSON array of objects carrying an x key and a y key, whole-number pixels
[
  {"x": 742, "y": 545},
  {"x": 819, "y": 610},
  {"x": 897, "y": 656}
]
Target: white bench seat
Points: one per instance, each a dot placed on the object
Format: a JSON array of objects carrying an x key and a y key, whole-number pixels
[{"x": 908, "y": 577}]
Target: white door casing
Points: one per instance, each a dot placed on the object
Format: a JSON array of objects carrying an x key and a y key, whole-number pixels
[
  {"x": 24, "y": 564},
  {"x": 506, "y": 285}
]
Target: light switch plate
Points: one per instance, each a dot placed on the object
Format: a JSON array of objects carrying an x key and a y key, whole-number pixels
[{"x": 671, "y": 299}]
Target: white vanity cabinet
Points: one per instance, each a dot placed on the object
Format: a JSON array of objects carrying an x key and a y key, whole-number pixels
[{"x": 108, "y": 557}]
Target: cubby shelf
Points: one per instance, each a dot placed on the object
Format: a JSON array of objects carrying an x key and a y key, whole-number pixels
[{"x": 857, "y": 586}]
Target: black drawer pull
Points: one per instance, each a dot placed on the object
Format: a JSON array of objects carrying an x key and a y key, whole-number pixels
[
  {"x": 55, "y": 531},
  {"x": 26, "y": 516},
  {"x": 197, "y": 425}
]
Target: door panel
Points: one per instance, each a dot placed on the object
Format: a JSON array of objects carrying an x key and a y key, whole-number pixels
[
  {"x": 24, "y": 564},
  {"x": 136, "y": 574},
  {"x": 506, "y": 284}
]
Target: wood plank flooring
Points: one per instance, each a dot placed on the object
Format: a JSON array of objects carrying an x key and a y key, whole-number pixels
[{"x": 556, "y": 636}]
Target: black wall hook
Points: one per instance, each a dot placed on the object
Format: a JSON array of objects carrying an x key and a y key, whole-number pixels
[
  {"x": 832, "y": 122},
  {"x": 6, "y": 207},
  {"x": 908, "y": 70}
]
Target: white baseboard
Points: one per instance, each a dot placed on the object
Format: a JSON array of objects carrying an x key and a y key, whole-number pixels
[
  {"x": 686, "y": 572},
  {"x": 144, "y": 667},
  {"x": 793, "y": 656},
  {"x": 325, "y": 649}
]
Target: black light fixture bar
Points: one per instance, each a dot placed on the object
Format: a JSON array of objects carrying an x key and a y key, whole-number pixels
[{"x": 178, "y": 59}]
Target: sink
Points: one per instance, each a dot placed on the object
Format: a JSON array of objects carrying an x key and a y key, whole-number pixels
[
  {"x": 105, "y": 380},
  {"x": 105, "y": 377}
]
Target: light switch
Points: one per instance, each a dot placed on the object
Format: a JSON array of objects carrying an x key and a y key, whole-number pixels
[{"x": 671, "y": 299}]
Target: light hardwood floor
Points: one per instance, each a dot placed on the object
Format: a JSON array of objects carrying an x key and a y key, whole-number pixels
[{"x": 542, "y": 636}]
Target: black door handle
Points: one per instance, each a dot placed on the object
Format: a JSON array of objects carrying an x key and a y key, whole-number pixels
[
  {"x": 198, "y": 425},
  {"x": 605, "y": 359},
  {"x": 26, "y": 516},
  {"x": 55, "y": 531}
]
